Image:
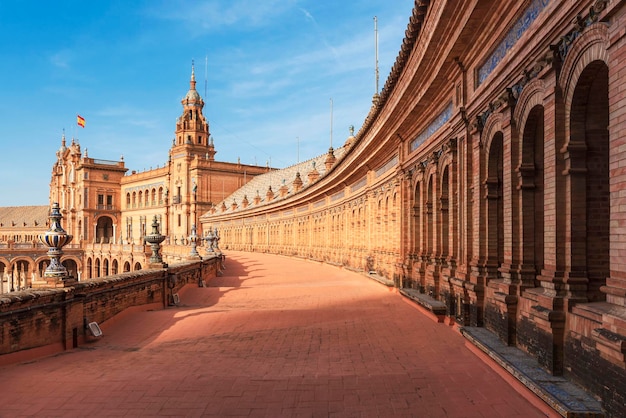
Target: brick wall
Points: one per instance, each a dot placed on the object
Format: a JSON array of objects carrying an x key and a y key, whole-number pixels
[
  {"x": 605, "y": 379},
  {"x": 511, "y": 211},
  {"x": 36, "y": 322}
]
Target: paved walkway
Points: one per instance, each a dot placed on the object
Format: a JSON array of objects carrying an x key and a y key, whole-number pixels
[{"x": 273, "y": 337}]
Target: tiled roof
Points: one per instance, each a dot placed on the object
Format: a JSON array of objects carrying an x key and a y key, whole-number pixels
[
  {"x": 276, "y": 179},
  {"x": 24, "y": 216}
]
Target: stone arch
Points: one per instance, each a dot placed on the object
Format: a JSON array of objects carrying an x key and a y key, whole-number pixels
[
  {"x": 531, "y": 192},
  {"x": 446, "y": 200},
  {"x": 591, "y": 45},
  {"x": 388, "y": 206},
  {"x": 4, "y": 275},
  {"x": 444, "y": 209},
  {"x": 418, "y": 215},
  {"x": 428, "y": 214},
  {"x": 105, "y": 267},
  {"x": 587, "y": 175},
  {"x": 104, "y": 229},
  {"x": 492, "y": 157},
  {"x": 493, "y": 125},
  {"x": 126, "y": 267},
  {"x": 532, "y": 95},
  {"x": 89, "y": 268},
  {"x": 41, "y": 264},
  {"x": 137, "y": 266},
  {"x": 22, "y": 269},
  {"x": 97, "y": 267},
  {"x": 73, "y": 266},
  {"x": 494, "y": 200}
]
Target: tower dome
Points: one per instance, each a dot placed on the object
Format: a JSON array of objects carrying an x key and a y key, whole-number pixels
[{"x": 192, "y": 97}]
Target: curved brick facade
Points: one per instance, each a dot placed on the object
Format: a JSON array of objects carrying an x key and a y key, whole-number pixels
[{"x": 488, "y": 176}]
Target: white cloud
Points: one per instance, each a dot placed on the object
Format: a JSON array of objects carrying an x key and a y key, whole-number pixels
[
  {"x": 308, "y": 15},
  {"x": 211, "y": 16},
  {"x": 61, "y": 59}
]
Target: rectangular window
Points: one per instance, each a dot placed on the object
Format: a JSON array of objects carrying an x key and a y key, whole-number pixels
[
  {"x": 100, "y": 199},
  {"x": 179, "y": 220}
]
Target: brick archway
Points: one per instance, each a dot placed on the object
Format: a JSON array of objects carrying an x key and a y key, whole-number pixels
[
  {"x": 105, "y": 230},
  {"x": 494, "y": 189},
  {"x": 530, "y": 222},
  {"x": 587, "y": 175}
]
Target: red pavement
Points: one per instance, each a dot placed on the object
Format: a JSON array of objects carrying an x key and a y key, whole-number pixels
[{"x": 273, "y": 337}]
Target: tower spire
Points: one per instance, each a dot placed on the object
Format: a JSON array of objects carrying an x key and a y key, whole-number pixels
[{"x": 192, "y": 82}]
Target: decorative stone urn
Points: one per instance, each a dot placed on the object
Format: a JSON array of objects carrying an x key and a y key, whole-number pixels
[
  {"x": 209, "y": 238},
  {"x": 193, "y": 240},
  {"x": 155, "y": 239},
  {"x": 212, "y": 238},
  {"x": 55, "y": 238}
]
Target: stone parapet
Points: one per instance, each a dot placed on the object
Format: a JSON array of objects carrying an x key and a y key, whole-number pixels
[{"x": 42, "y": 321}]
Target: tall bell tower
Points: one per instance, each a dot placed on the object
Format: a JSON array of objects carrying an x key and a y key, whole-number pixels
[
  {"x": 191, "y": 157},
  {"x": 192, "y": 128}
]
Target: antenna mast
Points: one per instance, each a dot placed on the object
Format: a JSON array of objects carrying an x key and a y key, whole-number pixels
[
  {"x": 376, "y": 48},
  {"x": 331, "y": 122}
]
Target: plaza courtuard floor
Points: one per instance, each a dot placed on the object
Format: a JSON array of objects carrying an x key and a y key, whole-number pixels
[{"x": 272, "y": 337}]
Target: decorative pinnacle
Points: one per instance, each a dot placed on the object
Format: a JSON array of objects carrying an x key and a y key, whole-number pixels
[{"x": 192, "y": 82}]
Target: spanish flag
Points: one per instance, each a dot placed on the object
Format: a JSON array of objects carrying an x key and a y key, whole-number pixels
[{"x": 80, "y": 121}]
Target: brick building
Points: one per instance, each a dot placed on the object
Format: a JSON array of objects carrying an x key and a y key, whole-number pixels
[
  {"x": 109, "y": 211},
  {"x": 487, "y": 178}
]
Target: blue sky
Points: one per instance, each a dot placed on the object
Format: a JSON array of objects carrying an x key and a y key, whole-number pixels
[{"x": 273, "y": 67}]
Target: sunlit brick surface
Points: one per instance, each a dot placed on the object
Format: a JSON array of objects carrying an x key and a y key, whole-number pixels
[{"x": 273, "y": 337}]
